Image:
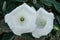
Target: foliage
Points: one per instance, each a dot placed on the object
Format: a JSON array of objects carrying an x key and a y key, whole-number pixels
[{"x": 7, "y": 6}]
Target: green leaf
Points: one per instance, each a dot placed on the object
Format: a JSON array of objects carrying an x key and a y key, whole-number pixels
[
  {"x": 7, "y": 36},
  {"x": 55, "y": 28},
  {"x": 58, "y": 18},
  {"x": 38, "y": 5},
  {"x": 57, "y": 6},
  {"x": 51, "y": 3},
  {"x": 4, "y": 6},
  {"x": 10, "y": 7},
  {"x": 47, "y": 2},
  {"x": 4, "y": 27}
]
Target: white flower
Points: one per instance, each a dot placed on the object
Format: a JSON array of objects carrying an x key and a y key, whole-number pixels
[
  {"x": 44, "y": 23},
  {"x": 21, "y": 20}
]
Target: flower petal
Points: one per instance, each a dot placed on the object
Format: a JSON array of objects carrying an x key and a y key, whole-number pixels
[
  {"x": 12, "y": 19},
  {"x": 33, "y": 8},
  {"x": 49, "y": 17}
]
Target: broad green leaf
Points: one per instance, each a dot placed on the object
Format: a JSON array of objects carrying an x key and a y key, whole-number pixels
[
  {"x": 47, "y": 2},
  {"x": 57, "y": 6}
]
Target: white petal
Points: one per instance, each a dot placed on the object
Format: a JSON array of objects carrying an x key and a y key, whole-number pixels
[
  {"x": 49, "y": 17},
  {"x": 33, "y": 8},
  {"x": 12, "y": 19}
]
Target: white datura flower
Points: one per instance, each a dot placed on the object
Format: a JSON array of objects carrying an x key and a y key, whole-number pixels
[
  {"x": 44, "y": 23},
  {"x": 21, "y": 19}
]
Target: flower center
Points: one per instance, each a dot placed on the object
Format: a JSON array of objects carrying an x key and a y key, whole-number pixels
[
  {"x": 41, "y": 22},
  {"x": 22, "y": 19}
]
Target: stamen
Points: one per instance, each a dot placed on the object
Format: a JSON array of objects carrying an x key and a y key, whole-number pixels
[{"x": 22, "y": 19}]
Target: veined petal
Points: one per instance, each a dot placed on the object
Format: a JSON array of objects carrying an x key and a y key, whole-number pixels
[
  {"x": 43, "y": 29},
  {"x": 21, "y": 19}
]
